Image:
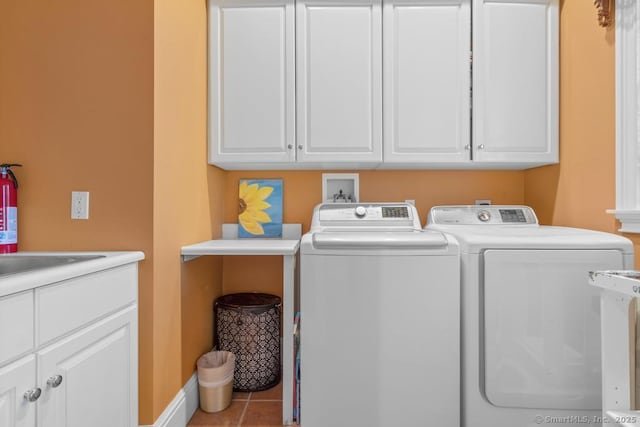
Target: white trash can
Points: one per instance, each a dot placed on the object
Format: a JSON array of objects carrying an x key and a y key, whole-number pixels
[{"x": 215, "y": 380}]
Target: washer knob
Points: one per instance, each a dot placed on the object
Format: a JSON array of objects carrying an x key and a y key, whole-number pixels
[
  {"x": 361, "y": 211},
  {"x": 484, "y": 216}
]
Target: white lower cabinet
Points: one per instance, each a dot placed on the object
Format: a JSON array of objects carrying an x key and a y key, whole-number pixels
[
  {"x": 87, "y": 374},
  {"x": 16, "y": 379},
  {"x": 93, "y": 370}
]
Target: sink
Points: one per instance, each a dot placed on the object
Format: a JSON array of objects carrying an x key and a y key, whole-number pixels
[{"x": 12, "y": 264}]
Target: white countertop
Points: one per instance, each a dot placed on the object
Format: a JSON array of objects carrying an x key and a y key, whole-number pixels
[{"x": 18, "y": 282}]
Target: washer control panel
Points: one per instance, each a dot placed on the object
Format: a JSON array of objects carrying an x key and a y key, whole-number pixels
[
  {"x": 360, "y": 215},
  {"x": 482, "y": 215},
  {"x": 395, "y": 212}
]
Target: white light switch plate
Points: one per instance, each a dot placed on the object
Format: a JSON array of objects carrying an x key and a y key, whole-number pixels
[{"x": 79, "y": 205}]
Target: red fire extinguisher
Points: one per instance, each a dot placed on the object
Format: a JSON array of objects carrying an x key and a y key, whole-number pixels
[{"x": 8, "y": 209}]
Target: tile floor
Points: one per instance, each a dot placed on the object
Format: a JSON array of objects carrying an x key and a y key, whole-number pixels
[{"x": 260, "y": 408}]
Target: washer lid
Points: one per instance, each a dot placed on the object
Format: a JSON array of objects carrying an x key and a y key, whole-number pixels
[
  {"x": 474, "y": 238},
  {"x": 379, "y": 240}
]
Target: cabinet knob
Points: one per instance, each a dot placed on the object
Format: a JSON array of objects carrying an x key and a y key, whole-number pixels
[
  {"x": 33, "y": 394},
  {"x": 300, "y": 147},
  {"x": 481, "y": 146},
  {"x": 54, "y": 381},
  {"x": 289, "y": 146},
  {"x": 467, "y": 147}
]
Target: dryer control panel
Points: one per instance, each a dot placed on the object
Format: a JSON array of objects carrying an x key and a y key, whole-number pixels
[
  {"x": 481, "y": 215},
  {"x": 366, "y": 215}
]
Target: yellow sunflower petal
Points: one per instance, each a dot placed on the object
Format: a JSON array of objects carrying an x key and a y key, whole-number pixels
[
  {"x": 258, "y": 215},
  {"x": 264, "y": 192},
  {"x": 260, "y": 205},
  {"x": 242, "y": 190},
  {"x": 249, "y": 224},
  {"x": 251, "y": 194}
]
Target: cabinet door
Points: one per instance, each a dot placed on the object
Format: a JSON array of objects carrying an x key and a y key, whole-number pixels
[
  {"x": 427, "y": 73},
  {"x": 98, "y": 366},
  {"x": 16, "y": 379},
  {"x": 251, "y": 81},
  {"x": 339, "y": 80},
  {"x": 515, "y": 81}
]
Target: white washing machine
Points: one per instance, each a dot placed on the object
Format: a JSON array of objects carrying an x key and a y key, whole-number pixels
[
  {"x": 379, "y": 325},
  {"x": 530, "y": 321}
]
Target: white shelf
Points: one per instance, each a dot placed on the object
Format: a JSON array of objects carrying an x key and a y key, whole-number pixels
[
  {"x": 231, "y": 245},
  {"x": 240, "y": 247},
  {"x": 626, "y": 282},
  {"x": 287, "y": 247}
]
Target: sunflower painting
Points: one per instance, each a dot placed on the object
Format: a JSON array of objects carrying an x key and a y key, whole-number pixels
[{"x": 260, "y": 208}]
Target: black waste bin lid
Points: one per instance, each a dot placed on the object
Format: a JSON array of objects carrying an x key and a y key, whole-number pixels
[{"x": 249, "y": 300}]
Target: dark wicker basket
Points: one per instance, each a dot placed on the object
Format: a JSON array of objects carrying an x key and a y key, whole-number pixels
[{"x": 248, "y": 325}]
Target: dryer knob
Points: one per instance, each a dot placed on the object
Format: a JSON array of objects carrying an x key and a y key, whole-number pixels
[
  {"x": 361, "y": 211},
  {"x": 484, "y": 216}
]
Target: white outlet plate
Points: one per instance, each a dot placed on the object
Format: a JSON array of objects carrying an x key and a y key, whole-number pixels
[{"x": 79, "y": 205}]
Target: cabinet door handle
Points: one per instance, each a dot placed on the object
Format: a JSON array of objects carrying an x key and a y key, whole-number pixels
[
  {"x": 54, "y": 381},
  {"x": 300, "y": 147},
  {"x": 33, "y": 394},
  {"x": 481, "y": 146},
  {"x": 289, "y": 146},
  {"x": 467, "y": 147}
]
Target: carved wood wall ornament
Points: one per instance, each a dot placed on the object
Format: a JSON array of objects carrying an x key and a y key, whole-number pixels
[{"x": 604, "y": 12}]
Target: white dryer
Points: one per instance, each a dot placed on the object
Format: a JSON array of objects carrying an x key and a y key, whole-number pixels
[
  {"x": 379, "y": 325},
  {"x": 530, "y": 321}
]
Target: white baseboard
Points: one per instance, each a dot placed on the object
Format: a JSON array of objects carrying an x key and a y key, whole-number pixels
[{"x": 182, "y": 407}]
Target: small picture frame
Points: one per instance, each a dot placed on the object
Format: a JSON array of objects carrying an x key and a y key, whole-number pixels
[
  {"x": 340, "y": 188},
  {"x": 260, "y": 208}
]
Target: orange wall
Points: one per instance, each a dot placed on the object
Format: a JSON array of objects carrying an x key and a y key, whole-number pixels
[
  {"x": 109, "y": 98},
  {"x": 76, "y": 108},
  {"x": 579, "y": 190},
  {"x": 186, "y": 205},
  {"x": 303, "y": 190}
]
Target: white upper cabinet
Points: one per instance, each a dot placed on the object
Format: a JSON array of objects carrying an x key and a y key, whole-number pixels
[
  {"x": 339, "y": 80},
  {"x": 251, "y": 81},
  {"x": 515, "y": 81},
  {"x": 427, "y": 47},
  {"x": 357, "y": 84}
]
